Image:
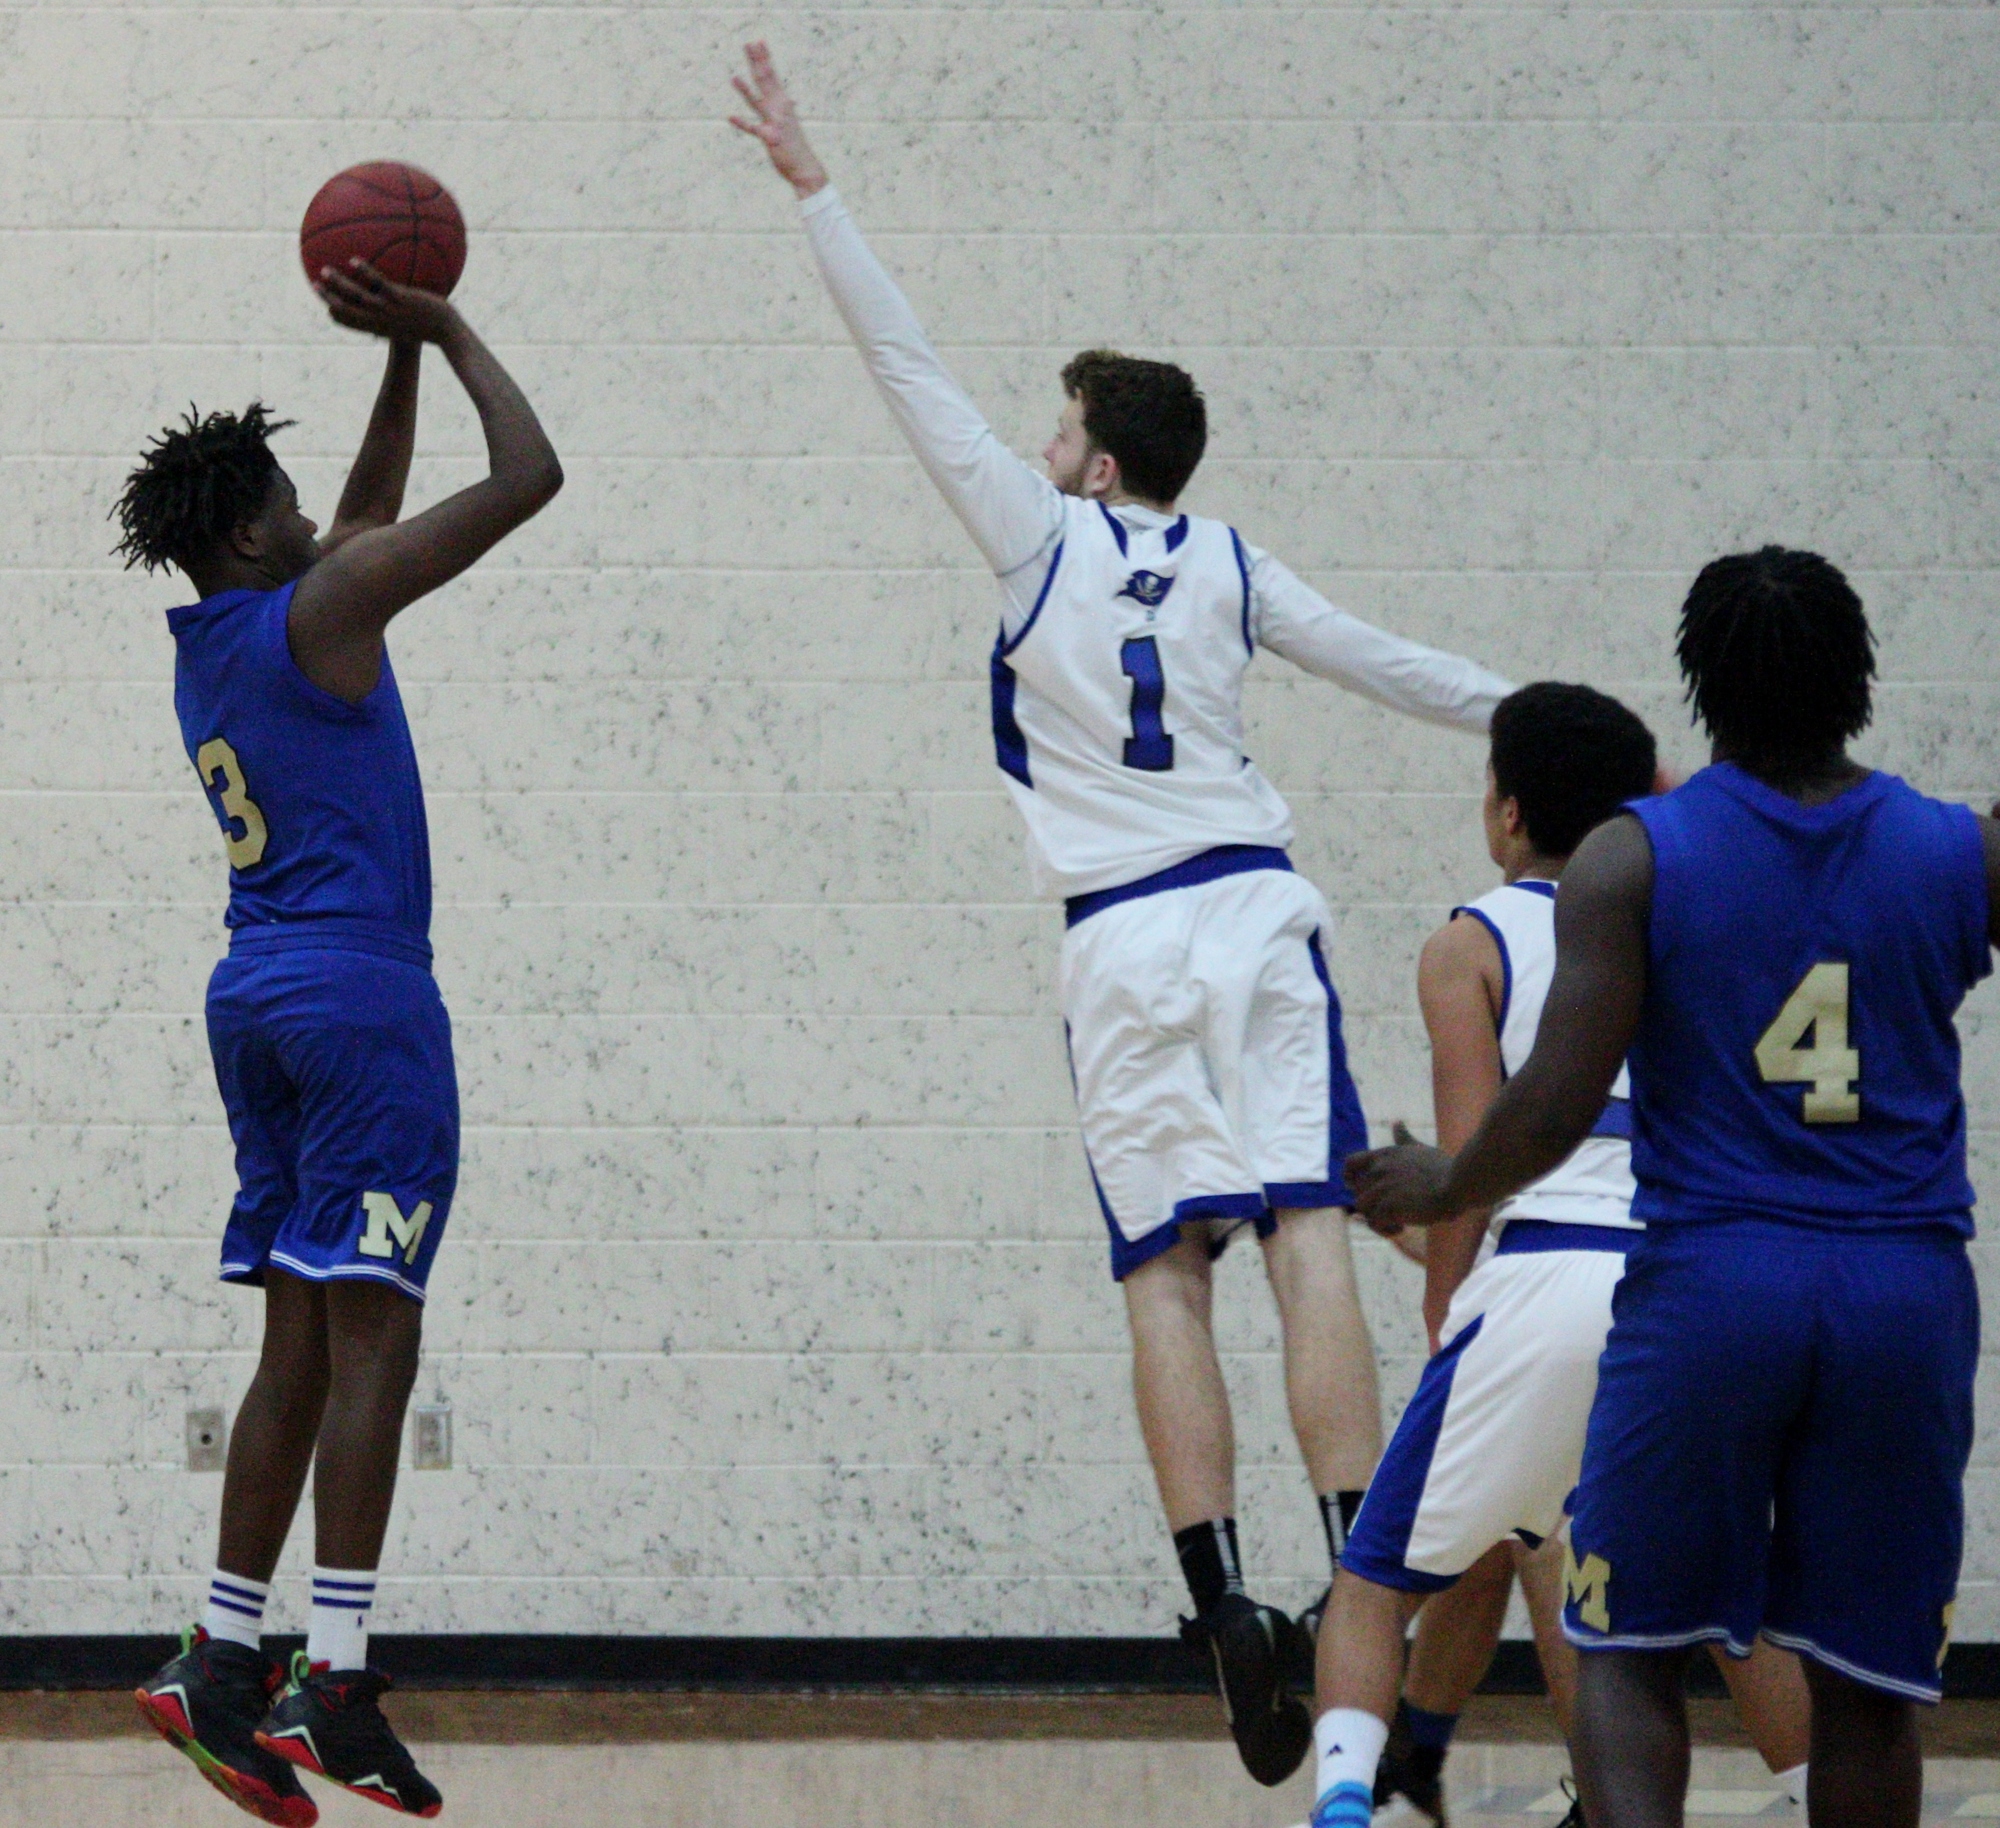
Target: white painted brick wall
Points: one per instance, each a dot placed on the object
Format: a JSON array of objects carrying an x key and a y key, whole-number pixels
[{"x": 775, "y": 1294}]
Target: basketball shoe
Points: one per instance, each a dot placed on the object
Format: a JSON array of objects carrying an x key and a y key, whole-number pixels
[
  {"x": 1251, "y": 1647},
  {"x": 1305, "y": 1643},
  {"x": 1409, "y": 1782},
  {"x": 207, "y": 1702},
  {"x": 331, "y": 1726}
]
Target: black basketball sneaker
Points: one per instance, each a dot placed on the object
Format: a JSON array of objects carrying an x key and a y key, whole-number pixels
[
  {"x": 1305, "y": 1643},
  {"x": 331, "y": 1726},
  {"x": 1251, "y": 1647},
  {"x": 1409, "y": 1781},
  {"x": 208, "y": 1703}
]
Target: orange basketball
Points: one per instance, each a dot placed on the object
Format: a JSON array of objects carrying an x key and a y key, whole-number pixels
[{"x": 399, "y": 219}]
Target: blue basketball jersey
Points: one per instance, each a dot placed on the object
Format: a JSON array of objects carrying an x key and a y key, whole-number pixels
[
  {"x": 1796, "y": 1057},
  {"x": 321, "y": 808}
]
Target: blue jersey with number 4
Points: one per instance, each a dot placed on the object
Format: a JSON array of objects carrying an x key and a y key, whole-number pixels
[
  {"x": 321, "y": 808},
  {"x": 1796, "y": 1057}
]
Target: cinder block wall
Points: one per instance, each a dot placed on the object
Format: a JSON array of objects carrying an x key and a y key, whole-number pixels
[{"x": 775, "y": 1297}]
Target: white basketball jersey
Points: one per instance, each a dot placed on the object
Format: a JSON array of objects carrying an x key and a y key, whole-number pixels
[
  {"x": 1118, "y": 707},
  {"x": 1594, "y": 1186}
]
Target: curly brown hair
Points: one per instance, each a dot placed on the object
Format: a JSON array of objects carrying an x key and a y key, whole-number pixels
[{"x": 1148, "y": 415}]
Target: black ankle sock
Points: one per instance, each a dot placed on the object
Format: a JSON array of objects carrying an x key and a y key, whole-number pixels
[
  {"x": 1416, "y": 1746},
  {"x": 1209, "y": 1560},
  {"x": 1337, "y": 1511}
]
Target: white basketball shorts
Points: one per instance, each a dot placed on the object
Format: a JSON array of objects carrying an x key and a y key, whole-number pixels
[
  {"x": 1204, "y": 1036},
  {"x": 1492, "y": 1441}
]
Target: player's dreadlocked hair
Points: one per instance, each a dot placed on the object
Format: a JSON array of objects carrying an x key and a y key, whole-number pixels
[
  {"x": 1570, "y": 757},
  {"x": 1149, "y": 415},
  {"x": 1777, "y": 654},
  {"x": 196, "y": 481}
]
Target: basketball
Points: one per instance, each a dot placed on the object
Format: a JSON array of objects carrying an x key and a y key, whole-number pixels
[{"x": 399, "y": 219}]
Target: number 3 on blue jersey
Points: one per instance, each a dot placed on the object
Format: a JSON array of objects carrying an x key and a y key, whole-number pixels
[{"x": 1149, "y": 746}]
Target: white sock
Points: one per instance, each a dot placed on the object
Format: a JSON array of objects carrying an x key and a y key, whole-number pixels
[
  {"x": 1350, "y": 1747},
  {"x": 1793, "y": 1783},
  {"x": 338, "y": 1635},
  {"x": 235, "y": 1611}
]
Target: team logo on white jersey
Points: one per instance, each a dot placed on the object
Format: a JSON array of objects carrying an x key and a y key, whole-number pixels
[{"x": 1148, "y": 588}]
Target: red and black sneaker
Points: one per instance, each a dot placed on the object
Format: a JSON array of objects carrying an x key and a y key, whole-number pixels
[
  {"x": 331, "y": 1726},
  {"x": 208, "y": 1703}
]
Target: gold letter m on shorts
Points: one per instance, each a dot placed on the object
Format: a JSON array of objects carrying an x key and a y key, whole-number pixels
[{"x": 389, "y": 1231}]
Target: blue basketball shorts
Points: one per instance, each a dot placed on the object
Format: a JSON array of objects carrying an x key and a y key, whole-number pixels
[
  {"x": 335, "y": 1068},
  {"x": 1779, "y": 1442}
]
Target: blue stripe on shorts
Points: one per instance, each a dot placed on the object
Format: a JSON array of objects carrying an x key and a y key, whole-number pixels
[{"x": 1380, "y": 1539}]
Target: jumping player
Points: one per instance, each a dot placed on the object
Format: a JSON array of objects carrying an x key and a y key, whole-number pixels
[
  {"x": 331, "y": 1046},
  {"x": 1784, "y": 1405},
  {"x": 1488, "y": 1449},
  {"x": 1204, "y": 1032}
]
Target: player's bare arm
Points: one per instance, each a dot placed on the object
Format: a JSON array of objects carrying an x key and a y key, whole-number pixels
[
  {"x": 373, "y": 496},
  {"x": 1587, "y": 1026},
  {"x": 1460, "y": 986},
  {"x": 1989, "y": 836},
  {"x": 344, "y": 602},
  {"x": 774, "y": 123}
]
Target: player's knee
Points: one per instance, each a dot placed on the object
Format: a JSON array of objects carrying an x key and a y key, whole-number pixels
[
  {"x": 1847, "y": 1712},
  {"x": 1171, "y": 1291},
  {"x": 375, "y": 1332}
]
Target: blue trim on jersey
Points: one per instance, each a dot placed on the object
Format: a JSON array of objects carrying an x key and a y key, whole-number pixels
[
  {"x": 1506, "y": 975},
  {"x": 1006, "y": 647},
  {"x": 1204, "y": 866},
  {"x": 1536, "y": 886},
  {"x": 1176, "y": 533},
  {"x": 1528, "y": 1237},
  {"x": 1243, "y": 571},
  {"x": 1380, "y": 1540},
  {"x": 1010, "y": 741},
  {"x": 1117, "y": 527}
]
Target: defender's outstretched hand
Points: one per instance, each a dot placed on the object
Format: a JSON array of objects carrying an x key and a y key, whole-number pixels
[
  {"x": 1400, "y": 1185},
  {"x": 776, "y": 123},
  {"x": 362, "y": 299}
]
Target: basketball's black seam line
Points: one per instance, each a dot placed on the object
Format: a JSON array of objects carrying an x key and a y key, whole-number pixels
[
  {"x": 381, "y": 190},
  {"x": 348, "y": 222}
]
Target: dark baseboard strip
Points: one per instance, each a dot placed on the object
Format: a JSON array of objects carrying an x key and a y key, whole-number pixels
[{"x": 1027, "y": 1666}]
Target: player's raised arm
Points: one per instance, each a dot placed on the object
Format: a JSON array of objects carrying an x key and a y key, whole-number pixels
[
  {"x": 373, "y": 496},
  {"x": 1294, "y": 621},
  {"x": 1011, "y": 513},
  {"x": 1587, "y": 1026},
  {"x": 344, "y": 602}
]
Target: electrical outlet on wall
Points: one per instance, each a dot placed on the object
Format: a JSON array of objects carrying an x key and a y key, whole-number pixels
[
  {"x": 430, "y": 1437},
  {"x": 207, "y": 1440}
]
